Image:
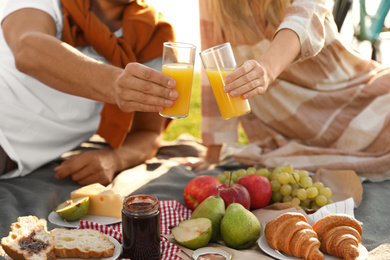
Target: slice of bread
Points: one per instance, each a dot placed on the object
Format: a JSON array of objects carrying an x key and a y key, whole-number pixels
[
  {"x": 28, "y": 239},
  {"x": 81, "y": 243}
]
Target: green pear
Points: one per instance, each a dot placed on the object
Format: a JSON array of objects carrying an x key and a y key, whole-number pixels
[
  {"x": 213, "y": 208},
  {"x": 240, "y": 228},
  {"x": 73, "y": 209},
  {"x": 193, "y": 233}
]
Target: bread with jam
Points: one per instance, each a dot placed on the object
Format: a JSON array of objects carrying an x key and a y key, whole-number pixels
[{"x": 28, "y": 240}]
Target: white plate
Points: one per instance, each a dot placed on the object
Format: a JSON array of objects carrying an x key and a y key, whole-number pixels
[
  {"x": 211, "y": 250},
  {"x": 263, "y": 244},
  {"x": 117, "y": 252},
  {"x": 56, "y": 219}
]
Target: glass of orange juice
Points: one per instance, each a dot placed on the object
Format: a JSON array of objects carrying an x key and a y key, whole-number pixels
[
  {"x": 218, "y": 62},
  {"x": 178, "y": 63}
]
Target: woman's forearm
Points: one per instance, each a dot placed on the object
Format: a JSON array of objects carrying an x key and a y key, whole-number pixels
[
  {"x": 254, "y": 76},
  {"x": 283, "y": 50}
]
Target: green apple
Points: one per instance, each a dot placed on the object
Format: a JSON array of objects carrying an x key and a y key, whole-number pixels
[
  {"x": 193, "y": 233},
  {"x": 73, "y": 209}
]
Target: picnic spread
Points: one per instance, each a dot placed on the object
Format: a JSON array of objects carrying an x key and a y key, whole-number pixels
[{"x": 39, "y": 193}]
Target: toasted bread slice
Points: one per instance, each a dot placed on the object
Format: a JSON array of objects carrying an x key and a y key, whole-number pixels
[{"x": 81, "y": 243}]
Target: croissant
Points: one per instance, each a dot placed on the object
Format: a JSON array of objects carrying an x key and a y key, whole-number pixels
[
  {"x": 339, "y": 235},
  {"x": 291, "y": 234}
]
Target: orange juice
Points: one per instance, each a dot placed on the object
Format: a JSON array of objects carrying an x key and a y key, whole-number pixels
[
  {"x": 182, "y": 73},
  {"x": 228, "y": 106}
]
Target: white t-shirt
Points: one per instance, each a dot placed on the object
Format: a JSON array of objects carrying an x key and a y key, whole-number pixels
[{"x": 38, "y": 123}]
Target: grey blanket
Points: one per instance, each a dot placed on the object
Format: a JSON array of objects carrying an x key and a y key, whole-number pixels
[{"x": 39, "y": 193}]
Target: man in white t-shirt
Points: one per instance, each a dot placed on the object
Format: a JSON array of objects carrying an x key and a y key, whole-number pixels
[{"x": 52, "y": 92}]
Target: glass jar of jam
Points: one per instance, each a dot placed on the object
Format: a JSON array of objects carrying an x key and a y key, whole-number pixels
[{"x": 141, "y": 228}]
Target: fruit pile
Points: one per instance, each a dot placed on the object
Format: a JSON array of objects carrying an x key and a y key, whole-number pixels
[
  {"x": 236, "y": 226},
  {"x": 288, "y": 185},
  {"x": 251, "y": 191},
  {"x": 221, "y": 205}
]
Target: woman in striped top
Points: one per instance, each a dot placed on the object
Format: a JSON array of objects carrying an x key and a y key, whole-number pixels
[{"x": 316, "y": 102}]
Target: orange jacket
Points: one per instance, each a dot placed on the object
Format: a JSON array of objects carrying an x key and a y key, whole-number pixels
[{"x": 144, "y": 32}]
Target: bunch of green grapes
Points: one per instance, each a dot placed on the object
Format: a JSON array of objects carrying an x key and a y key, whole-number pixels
[
  {"x": 288, "y": 185},
  {"x": 235, "y": 175},
  {"x": 296, "y": 186}
]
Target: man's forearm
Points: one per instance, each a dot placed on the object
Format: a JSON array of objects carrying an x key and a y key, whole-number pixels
[
  {"x": 30, "y": 33},
  {"x": 137, "y": 148},
  {"x": 65, "y": 69}
]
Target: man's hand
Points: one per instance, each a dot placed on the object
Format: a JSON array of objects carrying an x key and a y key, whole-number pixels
[
  {"x": 140, "y": 88},
  {"x": 97, "y": 166}
]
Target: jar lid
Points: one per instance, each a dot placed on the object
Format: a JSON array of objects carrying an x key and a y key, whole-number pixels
[{"x": 140, "y": 204}]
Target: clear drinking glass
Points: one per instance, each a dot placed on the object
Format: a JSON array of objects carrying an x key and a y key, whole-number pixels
[
  {"x": 178, "y": 63},
  {"x": 218, "y": 62}
]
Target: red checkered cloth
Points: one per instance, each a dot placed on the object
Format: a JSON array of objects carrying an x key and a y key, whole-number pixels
[{"x": 171, "y": 213}]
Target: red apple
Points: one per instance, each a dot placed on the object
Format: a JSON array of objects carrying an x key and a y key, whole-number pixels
[
  {"x": 200, "y": 188},
  {"x": 233, "y": 192},
  {"x": 259, "y": 189}
]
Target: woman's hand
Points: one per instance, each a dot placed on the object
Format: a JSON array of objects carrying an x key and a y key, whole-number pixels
[
  {"x": 249, "y": 80},
  {"x": 254, "y": 77},
  {"x": 140, "y": 88}
]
